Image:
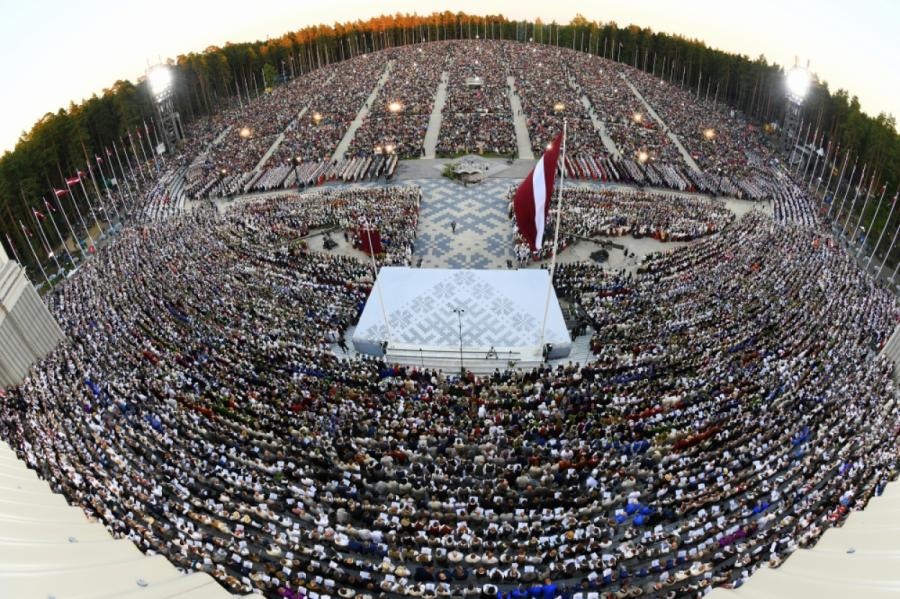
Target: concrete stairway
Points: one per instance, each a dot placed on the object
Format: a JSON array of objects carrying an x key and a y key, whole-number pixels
[
  {"x": 434, "y": 122},
  {"x": 688, "y": 159},
  {"x": 344, "y": 144},
  {"x": 520, "y": 124}
]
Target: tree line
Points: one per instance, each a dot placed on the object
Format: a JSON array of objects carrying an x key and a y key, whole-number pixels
[{"x": 61, "y": 143}]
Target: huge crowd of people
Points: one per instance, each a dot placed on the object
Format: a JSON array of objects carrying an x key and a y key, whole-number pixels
[
  {"x": 734, "y": 407},
  {"x": 398, "y": 118},
  {"x": 395, "y": 92},
  {"x": 735, "y": 410},
  {"x": 477, "y": 113},
  {"x": 390, "y": 212},
  {"x": 590, "y": 213},
  {"x": 721, "y": 140}
]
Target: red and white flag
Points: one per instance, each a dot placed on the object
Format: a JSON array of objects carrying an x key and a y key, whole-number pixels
[
  {"x": 73, "y": 180},
  {"x": 532, "y": 199},
  {"x": 60, "y": 192},
  {"x": 38, "y": 214},
  {"x": 49, "y": 206}
]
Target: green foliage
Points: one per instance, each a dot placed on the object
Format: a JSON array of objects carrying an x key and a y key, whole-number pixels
[{"x": 269, "y": 74}]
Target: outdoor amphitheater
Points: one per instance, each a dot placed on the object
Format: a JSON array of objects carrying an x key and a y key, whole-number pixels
[{"x": 303, "y": 344}]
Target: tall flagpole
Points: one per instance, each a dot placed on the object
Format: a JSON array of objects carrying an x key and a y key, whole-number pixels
[
  {"x": 136, "y": 159},
  {"x": 815, "y": 143},
  {"x": 97, "y": 189},
  {"x": 112, "y": 200},
  {"x": 88, "y": 198},
  {"x": 33, "y": 253},
  {"x": 862, "y": 246},
  {"x": 50, "y": 211},
  {"x": 881, "y": 235},
  {"x": 149, "y": 145},
  {"x": 68, "y": 222},
  {"x": 805, "y": 143},
  {"x": 50, "y": 252},
  {"x": 375, "y": 283},
  {"x": 128, "y": 161},
  {"x": 834, "y": 159},
  {"x": 824, "y": 168},
  {"x": 838, "y": 186},
  {"x": 40, "y": 228},
  {"x": 837, "y": 217},
  {"x": 814, "y": 169},
  {"x": 562, "y": 181},
  {"x": 865, "y": 205},
  {"x": 13, "y": 248},
  {"x": 125, "y": 180},
  {"x": 861, "y": 182},
  {"x": 103, "y": 206},
  {"x": 891, "y": 246},
  {"x": 78, "y": 212}
]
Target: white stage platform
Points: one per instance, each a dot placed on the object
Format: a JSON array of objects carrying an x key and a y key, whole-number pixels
[{"x": 503, "y": 310}]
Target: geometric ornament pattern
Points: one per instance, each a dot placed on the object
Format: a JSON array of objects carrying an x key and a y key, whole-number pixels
[
  {"x": 491, "y": 317},
  {"x": 483, "y": 237}
]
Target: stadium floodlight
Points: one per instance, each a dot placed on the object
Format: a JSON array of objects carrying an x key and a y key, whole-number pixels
[
  {"x": 161, "y": 83},
  {"x": 798, "y": 81},
  {"x": 160, "y": 78}
]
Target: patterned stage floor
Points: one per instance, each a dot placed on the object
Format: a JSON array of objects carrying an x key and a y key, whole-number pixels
[{"x": 483, "y": 237}]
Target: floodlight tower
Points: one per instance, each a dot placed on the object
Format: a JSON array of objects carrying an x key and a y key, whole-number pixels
[
  {"x": 161, "y": 82},
  {"x": 797, "y": 83}
]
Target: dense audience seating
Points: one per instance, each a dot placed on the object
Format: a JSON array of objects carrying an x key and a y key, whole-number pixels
[
  {"x": 706, "y": 439},
  {"x": 410, "y": 91},
  {"x": 477, "y": 116},
  {"x": 734, "y": 407},
  {"x": 589, "y": 213},
  {"x": 307, "y": 118}
]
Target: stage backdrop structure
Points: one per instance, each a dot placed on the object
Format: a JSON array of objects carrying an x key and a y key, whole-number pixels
[
  {"x": 28, "y": 332},
  {"x": 499, "y": 325}
]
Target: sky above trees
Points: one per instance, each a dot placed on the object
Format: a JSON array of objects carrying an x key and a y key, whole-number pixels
[{"x": 88, "y": 45}]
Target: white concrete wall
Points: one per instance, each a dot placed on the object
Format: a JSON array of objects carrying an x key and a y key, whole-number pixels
[{"x": 28, "y": 331}]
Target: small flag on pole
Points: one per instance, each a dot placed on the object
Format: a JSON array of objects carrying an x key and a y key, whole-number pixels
[
  {"x": 38, "y": 214},
  {"x": 60, "y": 192}
]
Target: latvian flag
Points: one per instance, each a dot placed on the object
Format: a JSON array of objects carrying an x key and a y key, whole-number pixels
[
  {"x": 74, "y": 180},
  {"x": 49, "y": 206},
  {"x": 532, "y": 199},
  {"x": 59, "y": 193},
  {"x": 38, "y": 214}
]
